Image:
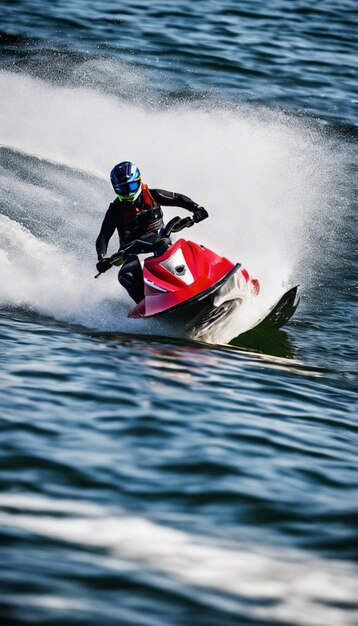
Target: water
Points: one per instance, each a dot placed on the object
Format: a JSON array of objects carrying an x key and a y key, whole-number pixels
[{"x": 147, "y": 479}]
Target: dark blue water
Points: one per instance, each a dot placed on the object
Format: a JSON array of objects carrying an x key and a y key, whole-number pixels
[
  {"x": 296, "y": 54},
  {"x": 148, "y": 479}
]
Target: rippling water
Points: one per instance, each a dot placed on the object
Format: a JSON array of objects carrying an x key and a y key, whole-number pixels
[
  {"x": 301, "y": 54},
  {"x": 148, "y": 480}
]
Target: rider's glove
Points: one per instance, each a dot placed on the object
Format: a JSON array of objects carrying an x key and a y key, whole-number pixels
[
  {"x": 103, "y": 265},
  {"x": 200, "y": 214}
]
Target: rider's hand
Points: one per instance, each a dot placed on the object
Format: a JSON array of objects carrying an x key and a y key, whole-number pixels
[
  {"x": 200, "y": 214},
  {"x": 103, "y": 265}
]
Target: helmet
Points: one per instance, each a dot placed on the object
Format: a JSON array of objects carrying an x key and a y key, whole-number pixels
[{"x": 126, "y": 181}]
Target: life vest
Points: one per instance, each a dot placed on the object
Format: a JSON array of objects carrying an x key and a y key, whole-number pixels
[
  {"x": 141, "y": 218},
  {"x": 148, "y": 200}
]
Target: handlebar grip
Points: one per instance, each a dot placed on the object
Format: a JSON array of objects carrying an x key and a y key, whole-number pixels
[
  {"x": 171, "y": 226},
  {"x": 186, "y": 222}
]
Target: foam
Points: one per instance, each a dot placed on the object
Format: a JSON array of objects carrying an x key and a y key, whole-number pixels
[{"x": 263, "y": 177}]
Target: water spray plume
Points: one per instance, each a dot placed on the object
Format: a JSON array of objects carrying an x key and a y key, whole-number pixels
[{"x": 264, "y": 178}]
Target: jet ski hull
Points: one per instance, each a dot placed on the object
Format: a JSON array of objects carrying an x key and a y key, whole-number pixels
[{"x": 203, "y": 310}]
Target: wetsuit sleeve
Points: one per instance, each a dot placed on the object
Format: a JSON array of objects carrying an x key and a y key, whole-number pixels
[
  {"x": 170, "y": 198},
  {"x": 106, "y": 232}
]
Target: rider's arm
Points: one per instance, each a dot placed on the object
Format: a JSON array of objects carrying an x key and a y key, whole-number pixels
[
  {"x": 106, "y": 232},
  {"x": 170, "y": 198}
]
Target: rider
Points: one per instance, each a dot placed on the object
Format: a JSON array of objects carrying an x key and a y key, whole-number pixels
[{"x": 136, "y": 213}]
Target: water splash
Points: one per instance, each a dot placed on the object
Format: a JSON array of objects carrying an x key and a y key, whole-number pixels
[{"x": 264, "y": 178}]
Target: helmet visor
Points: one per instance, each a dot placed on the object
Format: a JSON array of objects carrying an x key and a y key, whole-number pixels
[{"x": 127, "y": 189}]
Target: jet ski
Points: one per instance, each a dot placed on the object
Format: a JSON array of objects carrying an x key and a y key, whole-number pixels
[{"x": 187, "y": 283}]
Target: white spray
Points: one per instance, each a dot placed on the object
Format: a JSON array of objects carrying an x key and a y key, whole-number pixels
[{"x": 262, "y": 176}]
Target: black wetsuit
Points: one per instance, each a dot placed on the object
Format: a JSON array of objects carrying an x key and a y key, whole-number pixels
[{"x": 132, "y": 221}]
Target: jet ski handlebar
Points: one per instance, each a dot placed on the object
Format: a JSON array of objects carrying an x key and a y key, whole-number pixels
[{"x": 175, "y": 225}]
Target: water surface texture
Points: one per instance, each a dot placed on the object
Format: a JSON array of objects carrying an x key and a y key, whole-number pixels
[{"x": 148, "y": 480}]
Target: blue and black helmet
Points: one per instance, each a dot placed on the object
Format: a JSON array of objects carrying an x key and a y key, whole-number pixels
[{"x": 126, "y": 181}]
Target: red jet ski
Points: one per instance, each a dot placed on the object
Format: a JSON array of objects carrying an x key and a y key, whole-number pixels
[{"x": 188, "y": 283}]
